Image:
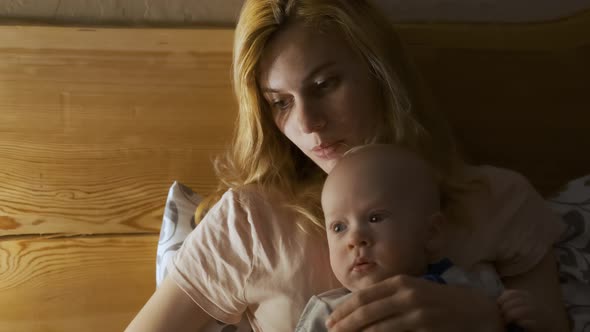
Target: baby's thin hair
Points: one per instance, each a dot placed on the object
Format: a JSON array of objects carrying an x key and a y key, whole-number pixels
[{"x": 438, "y": 180}]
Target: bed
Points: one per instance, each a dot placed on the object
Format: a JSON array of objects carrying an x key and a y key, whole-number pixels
[{"x": 98, "y": 118}]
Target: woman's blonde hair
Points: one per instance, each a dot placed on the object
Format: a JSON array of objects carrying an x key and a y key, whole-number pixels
[{"x": 261, "y": 154}]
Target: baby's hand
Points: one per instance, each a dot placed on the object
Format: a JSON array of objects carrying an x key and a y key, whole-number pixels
[{"x": 518, "y": 307}]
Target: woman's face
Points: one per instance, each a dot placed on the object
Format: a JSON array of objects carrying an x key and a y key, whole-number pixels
[{"x": 320, "y": 92}]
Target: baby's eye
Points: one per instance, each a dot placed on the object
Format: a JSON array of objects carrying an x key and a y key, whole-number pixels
[
  {"x": 376, "y": 217},
  {"x": 338, "y": 227}
]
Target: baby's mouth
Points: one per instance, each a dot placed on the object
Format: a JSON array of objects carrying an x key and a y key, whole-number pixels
[{"x": 362, "y": 265}]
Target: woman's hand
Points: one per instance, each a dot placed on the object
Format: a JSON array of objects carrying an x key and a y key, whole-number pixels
[
  {"x": 517, "y": 306},
  {"x": 542, "y": 286},
  {"x": 404, "y": 303}
]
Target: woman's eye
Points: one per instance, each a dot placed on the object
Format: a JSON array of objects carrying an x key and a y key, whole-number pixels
[
  {"x": 337, "y": 228},
  {"x": 280, "y": 104},
  {"x": 322, "y": 84},
  {"x": 327, "y": 84}
]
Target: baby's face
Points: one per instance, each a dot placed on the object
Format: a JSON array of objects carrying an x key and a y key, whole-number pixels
[{"x": 375, "y": 229}]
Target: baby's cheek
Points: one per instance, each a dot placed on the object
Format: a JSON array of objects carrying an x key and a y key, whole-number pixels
[
  {"x": 334, "y": 264},
  {"x": 338, "y": 267}
]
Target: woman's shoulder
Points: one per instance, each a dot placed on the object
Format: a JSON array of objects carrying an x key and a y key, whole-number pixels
[
  {"x": 252, "y": 204},
  {"x": 501, "y": 181},
  {"x": 510, "y": 223},
  {"x": 502, "y": 173},
  {"x": 491, "y": 192},
  {"x": 253, "y": 196}
]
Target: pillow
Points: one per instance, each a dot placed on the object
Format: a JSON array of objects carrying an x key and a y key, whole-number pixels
[
  {"x": 573, "y": 249},
  {"x": 178, "y": 222}
]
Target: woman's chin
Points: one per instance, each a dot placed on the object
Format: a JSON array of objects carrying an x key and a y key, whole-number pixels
[{"x": 328, "y": 165}]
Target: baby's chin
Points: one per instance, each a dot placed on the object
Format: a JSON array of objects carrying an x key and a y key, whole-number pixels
[{"x": 363, "y": 282}]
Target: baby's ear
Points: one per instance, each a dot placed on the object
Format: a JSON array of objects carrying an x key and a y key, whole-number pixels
[{"x": 435, "y": 239}]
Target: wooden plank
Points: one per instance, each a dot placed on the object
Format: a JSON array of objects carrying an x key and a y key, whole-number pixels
[
  {"x": 568, "y": 32},
  {"x": 515, "y": 94},
  {"x": 96, "y": 124},
  {"x": 185, "y": 40},
  {"x": 74, "y": 284}
]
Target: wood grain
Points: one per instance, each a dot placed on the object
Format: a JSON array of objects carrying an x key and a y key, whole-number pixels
[
  {"x": 96, "y": 124},
  {"x": 75, "y": 284}
]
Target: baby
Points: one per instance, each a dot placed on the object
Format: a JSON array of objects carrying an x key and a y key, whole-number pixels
[{"x": 383, "y": 218}]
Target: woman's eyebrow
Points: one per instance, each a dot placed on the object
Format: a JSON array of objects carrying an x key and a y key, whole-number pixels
[
  {"x": 266, "y": 90},
  {"x": 307, "y": 78}
]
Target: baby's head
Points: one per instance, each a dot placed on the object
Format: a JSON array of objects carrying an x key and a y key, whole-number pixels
[{"x": 382, "y": 210}]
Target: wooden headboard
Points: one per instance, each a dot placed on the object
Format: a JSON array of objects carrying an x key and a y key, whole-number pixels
[
  {"x": 517, "y": 95},
  {"x": 96, "y": 124}
]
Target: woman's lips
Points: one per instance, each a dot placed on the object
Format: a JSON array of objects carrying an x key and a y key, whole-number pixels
[{"x": 326, "y": 151}]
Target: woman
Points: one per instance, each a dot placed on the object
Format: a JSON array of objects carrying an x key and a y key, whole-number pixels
[{"x": 314, "y": 78}]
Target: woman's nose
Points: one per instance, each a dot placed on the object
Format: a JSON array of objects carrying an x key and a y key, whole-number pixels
[{"x": 310, "y": 117}]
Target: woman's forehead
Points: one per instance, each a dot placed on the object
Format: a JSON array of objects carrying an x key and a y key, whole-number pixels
[{"x": 298, "y": 51}]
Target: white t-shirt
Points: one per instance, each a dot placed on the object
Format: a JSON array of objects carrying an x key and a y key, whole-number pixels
[{"x": 248, "y": 255}]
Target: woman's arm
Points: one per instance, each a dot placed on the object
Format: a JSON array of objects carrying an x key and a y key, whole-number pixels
[
  {"x": 542, "y": 284},
  {"x": 169, "y": 309}
]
